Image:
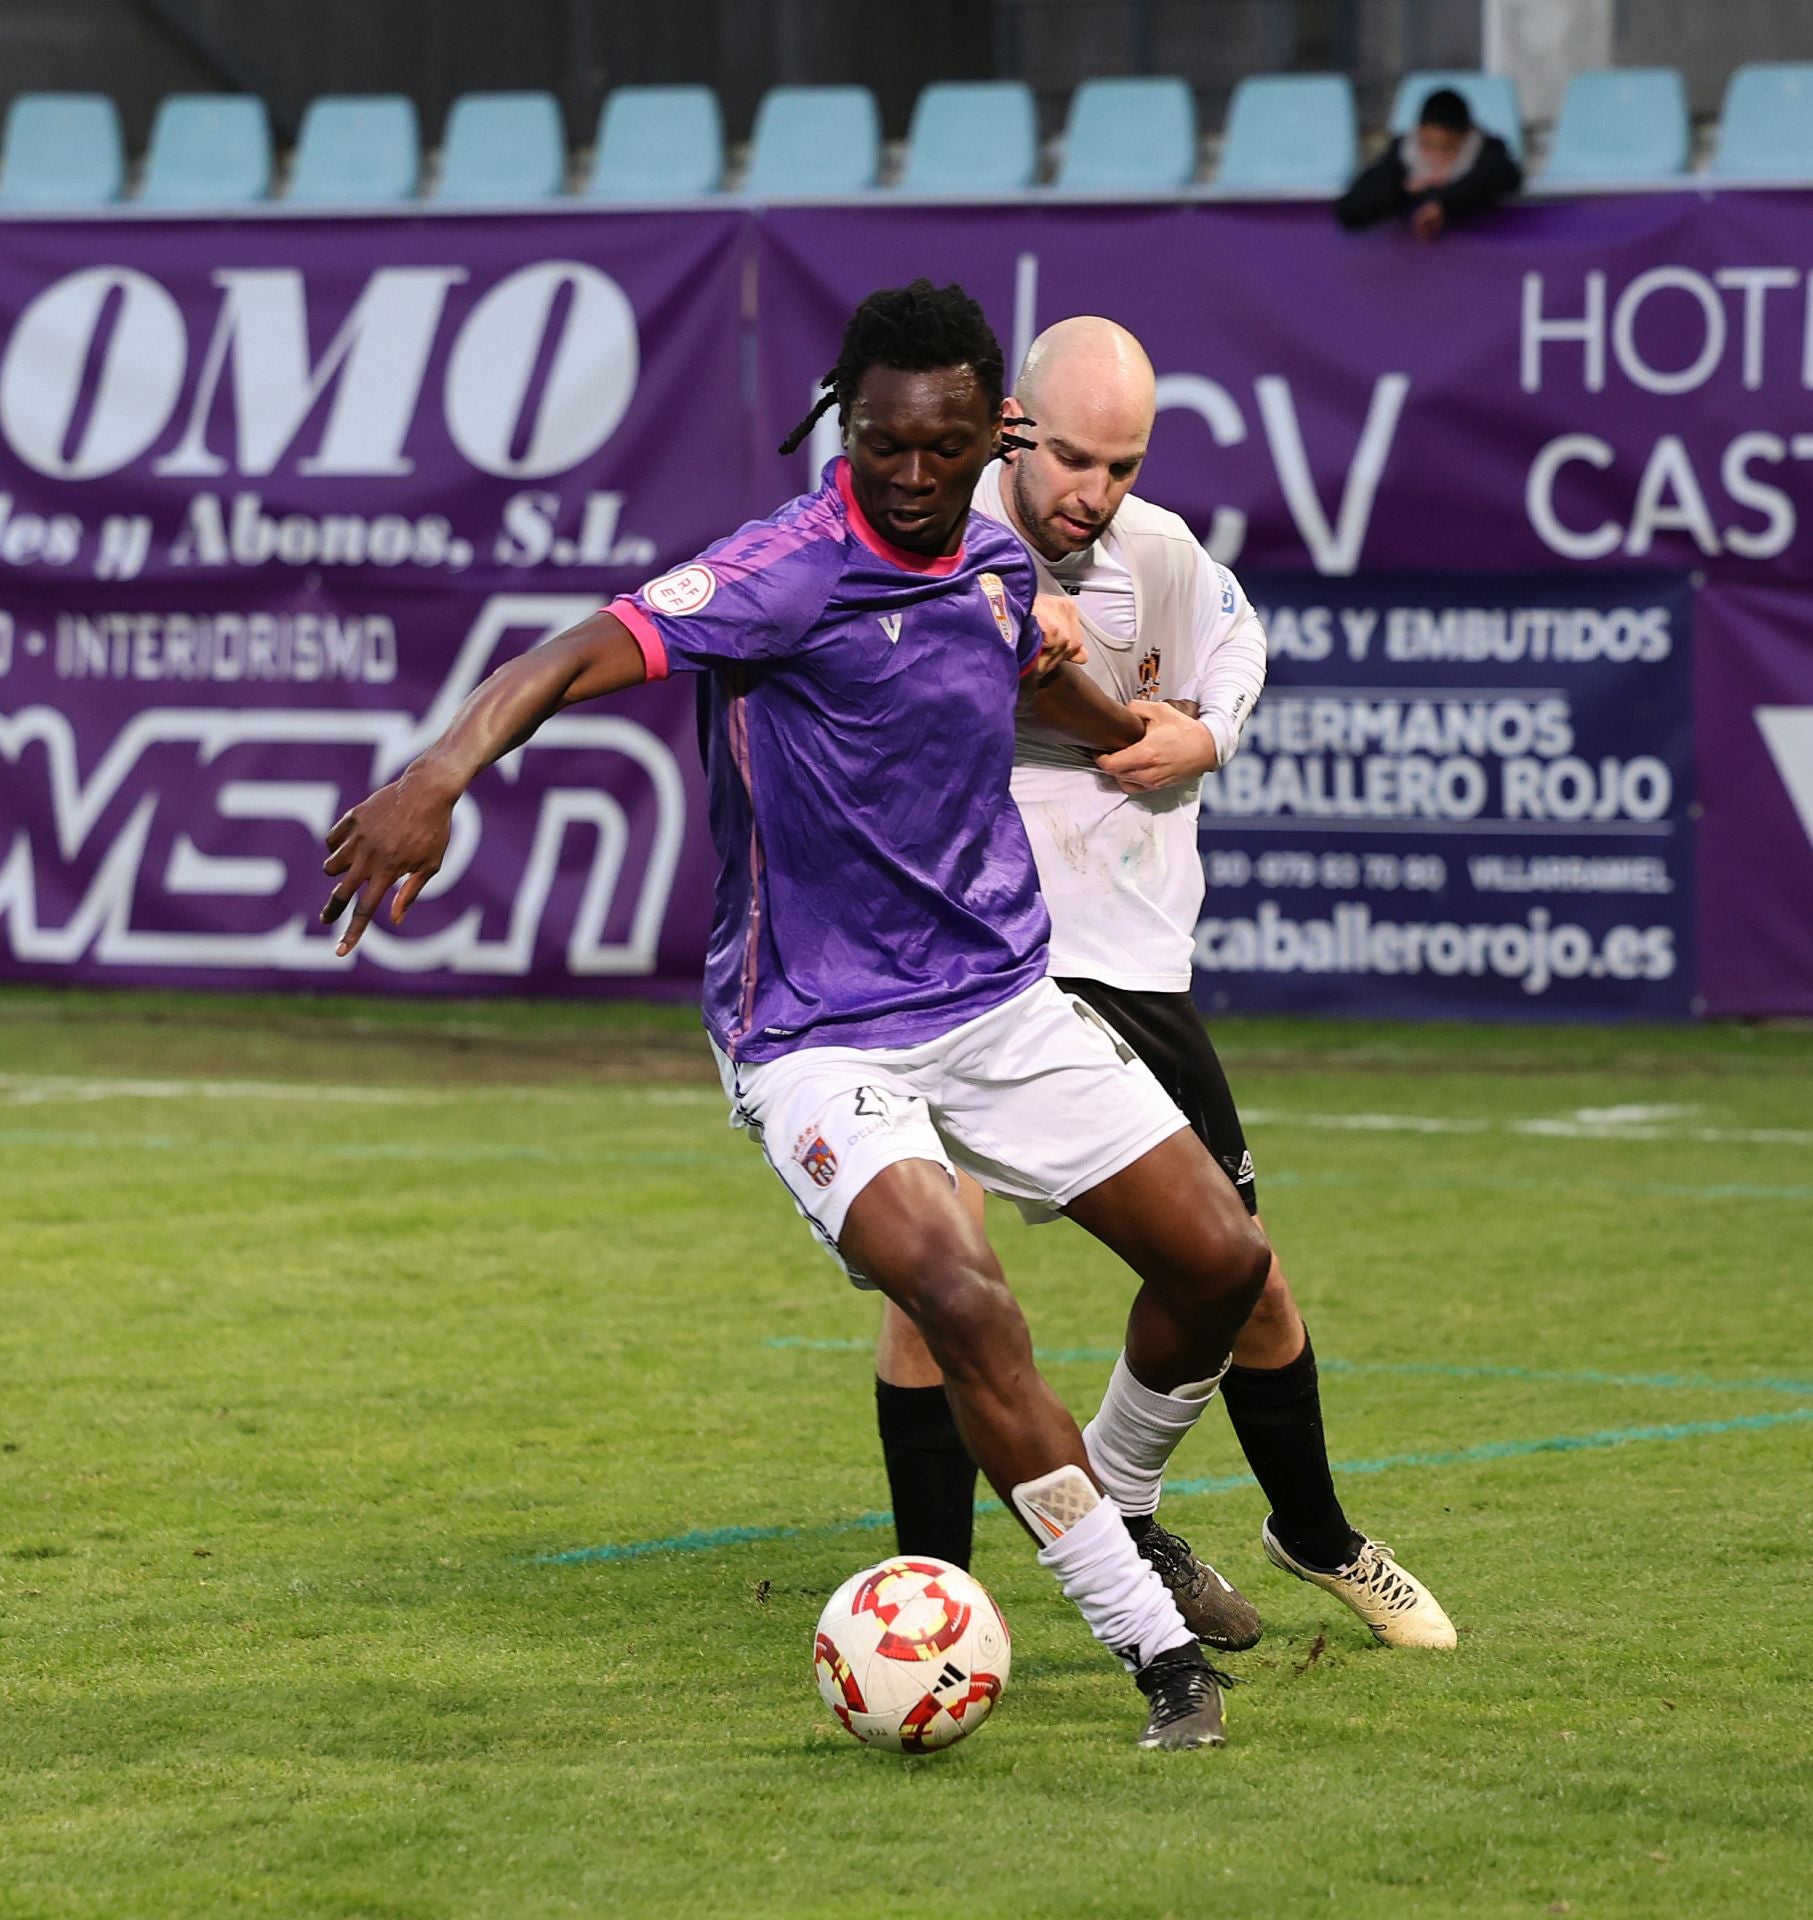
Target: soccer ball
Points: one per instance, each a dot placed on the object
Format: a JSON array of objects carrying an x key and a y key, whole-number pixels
[{"x": 911, "y": 1655}]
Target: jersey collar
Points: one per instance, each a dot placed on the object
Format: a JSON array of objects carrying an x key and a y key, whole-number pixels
[{"x": 902, "y": 557}]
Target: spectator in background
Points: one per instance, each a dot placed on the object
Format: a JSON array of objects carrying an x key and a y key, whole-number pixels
[{"x": 1443, "y": 170}]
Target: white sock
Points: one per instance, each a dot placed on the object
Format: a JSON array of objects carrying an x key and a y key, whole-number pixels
[
  {"x": 1133, "y": 1437},
  {"x": 1125, "y": 1604}
]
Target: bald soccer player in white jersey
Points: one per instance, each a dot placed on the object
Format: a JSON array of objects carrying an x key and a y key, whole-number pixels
[{"x": 1171, "y": 633}]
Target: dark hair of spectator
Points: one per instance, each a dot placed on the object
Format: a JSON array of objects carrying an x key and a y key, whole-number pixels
[
  {"x": 914, "y": 329},
  {"x": 1446, "y": 108}
]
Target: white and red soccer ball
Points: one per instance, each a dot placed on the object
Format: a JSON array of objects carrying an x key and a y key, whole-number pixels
[{"x": 911, "y": 1655}]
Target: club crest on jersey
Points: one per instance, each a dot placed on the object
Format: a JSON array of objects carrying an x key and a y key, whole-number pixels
[
  {"x": 1148, "y": 677},
  {"x": 813, "y": 1152},
  {"x": 682, "y": 592},
  {"x": 995, "y": 593}
]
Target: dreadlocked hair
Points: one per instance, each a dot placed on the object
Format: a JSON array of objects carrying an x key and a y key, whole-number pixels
[{"x": 913, "y": 329}]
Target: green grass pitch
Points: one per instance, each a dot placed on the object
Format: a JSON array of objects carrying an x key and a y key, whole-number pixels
[{"x": 355, "y": 1356}]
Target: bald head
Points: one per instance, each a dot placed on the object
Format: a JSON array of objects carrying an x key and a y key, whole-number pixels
[
  {"x": 1088, "y": 384},
  {"x": 1090, "y": 368}
]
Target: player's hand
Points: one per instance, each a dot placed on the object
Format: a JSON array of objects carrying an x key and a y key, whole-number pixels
[
  {"x": 1175, "y": 748},
  {"x": 400, "y": 833},
  {"x": 1428, "y": 220},
  {"x": 1062, "y": 627}
]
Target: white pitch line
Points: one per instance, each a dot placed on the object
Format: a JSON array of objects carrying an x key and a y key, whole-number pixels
[
  {"x": 42, "y": 1089},
  {"x": 1585, "y": 1125},
  {"x": 1609, "y": 1124},
  {"x": 1363, "y": 1122}
]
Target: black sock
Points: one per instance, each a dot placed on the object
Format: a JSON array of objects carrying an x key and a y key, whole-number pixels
[
  {"x": 930, "y": 1476},
  {"x": 1277, "y": 1418}
]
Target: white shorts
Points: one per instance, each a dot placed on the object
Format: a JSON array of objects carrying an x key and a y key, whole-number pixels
[{"x": 1038, "y": 1099}]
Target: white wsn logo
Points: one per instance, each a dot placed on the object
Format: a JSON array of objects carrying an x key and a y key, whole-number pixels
[{"x": 122, "y": 854}]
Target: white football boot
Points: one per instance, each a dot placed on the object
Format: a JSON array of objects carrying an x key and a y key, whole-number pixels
[{"x": 1395, "y": 1604}]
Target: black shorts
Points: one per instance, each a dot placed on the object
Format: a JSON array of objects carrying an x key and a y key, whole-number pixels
[{"x": 1167, "y": 1033}]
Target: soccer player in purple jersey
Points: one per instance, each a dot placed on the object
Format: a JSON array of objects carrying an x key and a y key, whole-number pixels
[{"x": 876, "y": 986}]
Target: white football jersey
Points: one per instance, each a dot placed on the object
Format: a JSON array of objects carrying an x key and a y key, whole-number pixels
[{"x": 1120, "y": 872}]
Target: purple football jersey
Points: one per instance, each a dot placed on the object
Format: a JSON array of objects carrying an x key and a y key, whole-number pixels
[{"x": 876, "y": 886}]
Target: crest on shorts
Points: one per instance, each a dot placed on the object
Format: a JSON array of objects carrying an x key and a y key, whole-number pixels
[
  {"x": 813, "y": 1152},
  {"x": 995, "y": 593}
]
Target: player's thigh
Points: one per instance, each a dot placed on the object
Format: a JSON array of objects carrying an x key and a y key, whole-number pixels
[
  {"x": 830, "y": 1122},
  {"x": 1040, "y": 1101},
  {"x": 1177, "y": 1221},
  {"x": 902, "y": 1358},
  {"x": 910, "y": 1235},
  {"x": 1167, "y": 1032}
]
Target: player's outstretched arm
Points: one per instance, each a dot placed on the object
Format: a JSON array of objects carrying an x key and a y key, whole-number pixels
[
  {"x": 1057, "y": 694},
  {"x": 1065, "y": 699},
  {"x": 401, "y": 831}
]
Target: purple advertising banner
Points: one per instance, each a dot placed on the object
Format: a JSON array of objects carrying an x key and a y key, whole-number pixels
[
  {"x": 273, "y": 490},
  {"x": 1465, "y": 791},
  {"x": 1753, "y": 718},
  {"x": 274, "y": 494},
  {"x": 165, "y": 830},
  {"x": 1612, "y": 380},
  {"x": 1604, "y": 384}
]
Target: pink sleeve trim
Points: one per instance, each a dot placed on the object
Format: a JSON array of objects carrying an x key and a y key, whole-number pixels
[{"x": 647, "y": 638}]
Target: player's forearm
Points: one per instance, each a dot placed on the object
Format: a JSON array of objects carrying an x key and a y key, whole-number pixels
[
  {"x": 1230, "y": 683},
  {"x": 596, "y": 657},
  {"x": 1070, "y": 703}
]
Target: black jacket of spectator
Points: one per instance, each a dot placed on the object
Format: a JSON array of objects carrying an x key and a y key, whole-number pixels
[{"x": 1382, "y": 189}]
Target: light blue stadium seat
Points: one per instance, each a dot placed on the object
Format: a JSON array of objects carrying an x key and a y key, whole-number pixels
[
  {"x": 657, "y": 143},
  {"x": 1766, "y": 127},
  {"x": 62, "y": 150},
  {"x": 501, "y": 150},
  {"x": 207, "y": 150},
  {"x": 1129, "y": 136},
  {"x": 1619, "y": 125},
  {"x": 1491, "y": 97},
  {"x": 972, "y": 136},
  {"x": 357, "y": 150},
  {"x": 815, "y": 140},
  {"x": 1290, "y": 133}
]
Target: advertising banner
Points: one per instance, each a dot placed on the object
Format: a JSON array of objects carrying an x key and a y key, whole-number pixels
[
  {"x": 273, "y": 489},
  {"x": 1753, "y": 723},
  {"x": 1468, "y": 794},
  {"x": 274, "y": 494},
  {"x": 165, "y": 829},
  {"x": 1615, "y": 381}
]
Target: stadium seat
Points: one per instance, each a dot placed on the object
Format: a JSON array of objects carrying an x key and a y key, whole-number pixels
[
  {"x": 972, "y": 136},
  {"x": 357, "y": 150},
  {"x": 62, "y": 150},
  {"x": 1129, "y": 136},
  {"x": 1290, "y": 133},
  {"x": 657, "y": 143},
  {"x": 1492, "y": 97},
  {"x": 815, "y": 140},
  {"x": 207, "y": 150},
  {"x": 1766, "y": 127},
  {"x": 1620, "y": 125},
  {"x": 502, "y": 149}
]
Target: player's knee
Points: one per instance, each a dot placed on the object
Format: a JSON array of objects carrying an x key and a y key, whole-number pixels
[
  {"x": 1243, "y": 1260},
  {"x": 964, "y": 1310},
  {"x": 1274, "y": 1309}
]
